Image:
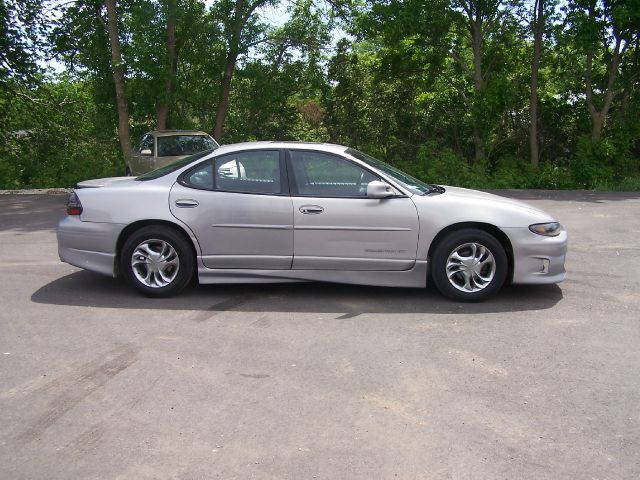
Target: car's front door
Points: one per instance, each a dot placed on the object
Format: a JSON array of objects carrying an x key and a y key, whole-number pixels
[
  {"x": 336, "y": 227},
  {"x": 143, "y": 163},
  {"x": 239, "y": 208}
]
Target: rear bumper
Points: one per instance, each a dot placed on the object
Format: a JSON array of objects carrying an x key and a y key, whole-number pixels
[
  {"x": 537, "y": 259},
  {"x": 88, "y": 245}
]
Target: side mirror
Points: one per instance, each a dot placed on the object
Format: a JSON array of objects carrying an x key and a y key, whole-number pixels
[
  {"x": 146, "y": 151},
  {"x": 378, "y": 189}
]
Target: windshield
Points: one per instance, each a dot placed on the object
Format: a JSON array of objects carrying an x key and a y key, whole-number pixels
[
  {"x": 172, "y": 167},
  {"x": 410, "y": 183}
]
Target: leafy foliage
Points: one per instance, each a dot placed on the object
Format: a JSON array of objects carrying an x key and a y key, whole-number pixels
[
  {"x": 439, "y": 88},
  {"x": 60, "y": 141}
]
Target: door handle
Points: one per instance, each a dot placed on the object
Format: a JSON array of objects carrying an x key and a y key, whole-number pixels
[
  {"x": 183, "y": 203},
  {"x": 311, "y": 209}
]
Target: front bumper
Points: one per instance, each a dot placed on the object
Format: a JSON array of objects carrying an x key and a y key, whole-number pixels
[
  {"x": 88, "y": 245},
  {"x": 537, "y": 259}
]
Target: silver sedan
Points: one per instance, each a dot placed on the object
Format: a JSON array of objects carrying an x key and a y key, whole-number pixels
[{"x": 289, "y": 212}]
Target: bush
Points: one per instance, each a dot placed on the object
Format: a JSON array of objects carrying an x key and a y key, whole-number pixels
[
  {"x": 55, "y": 141},
  {"x": 552, "y": 177},
  {"x": 629, "y": 184},
  {"x": 446, "y": 167},
  {"x": 509, "y": 173},
  {"x": 592, "y": 164}
]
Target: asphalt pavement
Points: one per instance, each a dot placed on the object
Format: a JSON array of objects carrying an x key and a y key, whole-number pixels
[{"x": 305, "y": 381}]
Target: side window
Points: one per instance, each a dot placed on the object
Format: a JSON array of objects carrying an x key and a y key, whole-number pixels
[
  {"x": 201, "y": 177},
  {"x": 324, "y": 175},
  {"x": 248, "y": 172},
  {"x": 146, "y": 144}
]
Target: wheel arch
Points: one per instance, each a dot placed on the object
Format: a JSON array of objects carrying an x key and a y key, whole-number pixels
[
  {"x": 135, "y": 226},
  {"x": 486, "y": 227}
]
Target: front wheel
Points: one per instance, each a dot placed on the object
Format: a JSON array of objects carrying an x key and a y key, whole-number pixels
[
  {"x": 157, "y": 261},
  {"x": 469, "y": 265}
]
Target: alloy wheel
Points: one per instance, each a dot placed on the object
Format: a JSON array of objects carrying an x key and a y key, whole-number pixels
[
  {"x": 155, "y": 263},
  {"x": 470, "y": 267}
]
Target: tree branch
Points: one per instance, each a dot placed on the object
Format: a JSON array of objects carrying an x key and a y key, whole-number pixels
[
  {"x": 613, "y": 73},
  {"x": 589, "y": 82}
]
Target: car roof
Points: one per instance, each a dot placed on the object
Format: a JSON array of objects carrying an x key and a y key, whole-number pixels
[
  {"x": 167, "y": 133},
  {"x": 291, "y": 145}
]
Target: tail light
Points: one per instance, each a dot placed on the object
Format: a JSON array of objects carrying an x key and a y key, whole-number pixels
[{"x": 74, "y": 207}]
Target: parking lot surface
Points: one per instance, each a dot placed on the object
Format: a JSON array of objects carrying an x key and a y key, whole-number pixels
[{"x": 306, "y": 381}]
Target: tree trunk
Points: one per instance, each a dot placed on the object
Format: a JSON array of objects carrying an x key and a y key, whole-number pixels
[
  {"x": 162, "y": 105},
  {"x": 240, "y": 19},
  {"x": 538, "y": 29},
  {"x": 225, "y": 90},
  {"x": 478, "y": 144},
  {"x": 118, "y": 78},
  {"x": 476, "y": 39},
  {"x": 162, "y": 112},
  {"x": 597, "y": 121}
]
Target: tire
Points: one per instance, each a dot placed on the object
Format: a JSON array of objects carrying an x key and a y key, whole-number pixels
[
  {"x": 469, "y": 265},
  {"x": 157, "y": 261}
]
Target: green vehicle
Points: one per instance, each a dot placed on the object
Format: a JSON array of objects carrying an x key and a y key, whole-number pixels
[{"x": 162, "y": 147}]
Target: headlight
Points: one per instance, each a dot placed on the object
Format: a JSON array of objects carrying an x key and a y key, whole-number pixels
[{"x": 551, "y": 229}]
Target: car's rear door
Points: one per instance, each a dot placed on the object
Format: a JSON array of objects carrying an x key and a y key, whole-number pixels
[
  {"x": 239, "y": 208},
  {"x": 336, "y": 227}
]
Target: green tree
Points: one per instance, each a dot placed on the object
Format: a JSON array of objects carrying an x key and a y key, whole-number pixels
[
  {"x": 606, "y": 33},
  {"x": 241, "y": 31}
]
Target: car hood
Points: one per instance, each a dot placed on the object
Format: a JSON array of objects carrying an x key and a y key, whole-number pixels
[
  {"x": 460, "y": 205},
  {"x": 102, "y": 182},
  {"x": 476, "y": 195}
]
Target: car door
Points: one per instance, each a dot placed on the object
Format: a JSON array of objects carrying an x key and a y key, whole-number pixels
[
  {"x": 336, "y": 227},
  {"x": 143, "y": 163},
  {"x": 239, "y": 208}
]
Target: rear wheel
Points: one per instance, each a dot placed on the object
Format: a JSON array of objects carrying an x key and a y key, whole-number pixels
[
  {"x": 157, "y": 261},
  {"x": 469, "y": 265}
]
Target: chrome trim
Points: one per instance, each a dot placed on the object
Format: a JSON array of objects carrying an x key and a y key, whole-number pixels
[
  {"x": 357, "y": 229},
  {"x": 252, "y": 225}
]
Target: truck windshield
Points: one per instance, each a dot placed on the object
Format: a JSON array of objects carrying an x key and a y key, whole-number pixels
[{"x": 178, "y": 145}]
